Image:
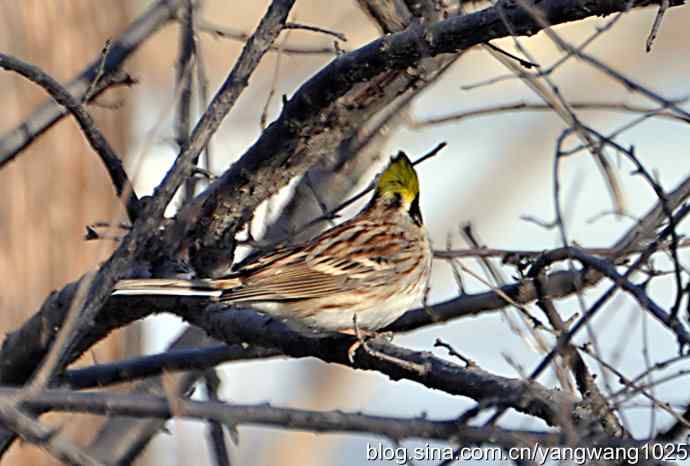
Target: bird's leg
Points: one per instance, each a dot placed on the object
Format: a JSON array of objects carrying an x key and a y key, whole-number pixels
[{"x": 361, "y": 335}]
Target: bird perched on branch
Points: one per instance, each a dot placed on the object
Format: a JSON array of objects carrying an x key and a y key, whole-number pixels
[{"x": 374, "y": 266}]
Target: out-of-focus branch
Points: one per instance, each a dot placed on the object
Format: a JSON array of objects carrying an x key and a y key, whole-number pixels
[
  {"x": 523, "y": 106},
  {"x": 144, "y": 405},
  {"x": 388, "y": 15},
  {"x": 113, "y": 163},
  {"x": 236, "y": 34},
  {"x": 184, "y": 78},
  {"x": 33, "y": 431},
  {"x": 49, "y": 113}
]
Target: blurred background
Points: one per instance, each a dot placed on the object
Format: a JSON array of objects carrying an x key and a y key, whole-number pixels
[{"x": 496, "y": 169}]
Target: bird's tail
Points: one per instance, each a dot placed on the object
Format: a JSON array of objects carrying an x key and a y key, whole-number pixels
[{"x": 174, "y": 287}]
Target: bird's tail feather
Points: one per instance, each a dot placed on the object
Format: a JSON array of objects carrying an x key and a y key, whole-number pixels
[{"x": 173, "y": 287}]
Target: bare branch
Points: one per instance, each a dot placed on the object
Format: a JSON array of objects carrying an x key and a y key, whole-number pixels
[
  {"x": 113, "y": 163},
  {"x": 266, "y": 415},
  {"x": 49, "y": 113},
  {"x": 169, "y": 361},
  {"x": 657, "y": 24},
  {"x": 298, "y": 138},
  {"x": 307, "y": 27},
  {"x": 523, "y": 106},
  {"x": 148, "y": 223},
  {"x": 236, "y": 34},
  {"x": 34, "y": 432}
]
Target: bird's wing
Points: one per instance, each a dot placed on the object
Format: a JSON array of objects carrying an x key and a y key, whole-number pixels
[
  {"x": 294, "y": 282},
  {"x": 310, "y": 272}
]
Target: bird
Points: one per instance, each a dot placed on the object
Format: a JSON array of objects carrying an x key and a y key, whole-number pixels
[{"x": 360, "y": 275}]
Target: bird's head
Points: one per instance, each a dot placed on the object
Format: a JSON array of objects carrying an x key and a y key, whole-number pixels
[{"x": 398, "y": 187}]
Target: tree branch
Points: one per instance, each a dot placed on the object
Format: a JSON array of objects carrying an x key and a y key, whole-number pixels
[
  {"x": 34, "y": 432},
  {"x": 49, "y": 113},
  {"x": 101, "y": 375},
  {"x": 234, "y": 325},
  {"x": 319, "y": 115},
  {"x": 142, "y": 405},
  {"x": 148, "y": 223},
  {"x": 113, "y": 163}
]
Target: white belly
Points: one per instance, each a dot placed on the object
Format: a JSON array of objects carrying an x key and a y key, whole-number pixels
[{"x": 333, "y": 317}]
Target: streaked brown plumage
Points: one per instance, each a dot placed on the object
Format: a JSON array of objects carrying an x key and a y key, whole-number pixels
[{"x": 374, "y": 265}]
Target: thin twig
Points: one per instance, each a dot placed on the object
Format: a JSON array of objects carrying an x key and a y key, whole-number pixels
[
  {"x": 184, "y": 72},
  {"x": 48, "y": 439},
  {"x": 523, "y": 106},
  {"x": 47, "y": 114},
  {"x": 333, "y": 213},
  {"x": 629, "y": 83},
  {"x": 619, "y": 281},
  {"x": 96, "y": 139},
  {"x": 219, "y": 447},
  {"x": 663, "y": 6},
  {"x": 236, "y": 34},
  {"x": 453, "y": 352},
  {"x": 100, "y": 72},
  {"x": 306, "y": 27}
]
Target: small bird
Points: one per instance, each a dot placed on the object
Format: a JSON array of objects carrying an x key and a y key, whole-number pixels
[{"x": 371, "y": 268}]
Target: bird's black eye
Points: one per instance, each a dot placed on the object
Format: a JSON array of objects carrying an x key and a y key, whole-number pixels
[{"x": 415, "y": 211}]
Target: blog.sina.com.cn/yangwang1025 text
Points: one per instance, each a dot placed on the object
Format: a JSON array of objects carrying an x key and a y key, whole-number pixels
[{"x": 535, "y": 453}]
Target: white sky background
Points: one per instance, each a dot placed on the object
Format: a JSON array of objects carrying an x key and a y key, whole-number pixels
[{"x": 494, "y": 170}]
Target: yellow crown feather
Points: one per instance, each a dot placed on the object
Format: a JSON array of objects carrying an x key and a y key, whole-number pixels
[{"x": 399, "y": 177}]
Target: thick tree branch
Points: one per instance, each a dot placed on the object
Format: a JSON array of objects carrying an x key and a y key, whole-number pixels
[
  {"x": 170, "y": 361},
  {"x": 122, "y": 311},
  {"x": 394, "y": 428},
  {"x": 234, "y": 325}
]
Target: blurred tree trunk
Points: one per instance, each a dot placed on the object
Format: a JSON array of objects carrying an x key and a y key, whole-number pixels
[{"x": 58, "y": 185}]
